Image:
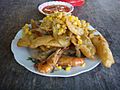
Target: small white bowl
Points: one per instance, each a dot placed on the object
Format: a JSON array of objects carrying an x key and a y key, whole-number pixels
[{"x": 40, "y": 7}]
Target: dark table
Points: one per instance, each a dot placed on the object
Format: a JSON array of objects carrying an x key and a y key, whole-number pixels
[{"x": 104, "y": 15}]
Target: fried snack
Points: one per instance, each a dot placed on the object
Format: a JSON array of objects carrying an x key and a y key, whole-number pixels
[
  {"x": 73, "y": 40},
  {"x": 47, "y": 24},
  {"x": 34, "y": 24},
  {"x": 41, "y": 41},
  {"x": 91, "y": 33},
  {"x": 48, "y": 65},
  {"x": 63, "y": 40},
  {"x": 58, "y": 31},
  {"x": 87, "y": 48},
  {"x": 59, "y": 25},
  {"x": 65, "y": 61},
  {"x": 26, "y": 30},
  {"x": 48, "y": 40},
  {"x": 24, "y": 42},
  {"x": 27, "y": 36},
  {"x": 69, "y": 52},
  {"x": 42, "y": 55},
  {"x": 103, "y": 50},
  {"x": 73, "y": 28},
  {"x": 78, "y": 52}
]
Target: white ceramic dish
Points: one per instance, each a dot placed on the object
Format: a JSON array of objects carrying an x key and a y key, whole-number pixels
[
  {"x": 21, "y": 55},
  {"x": 40, "y": 7}
]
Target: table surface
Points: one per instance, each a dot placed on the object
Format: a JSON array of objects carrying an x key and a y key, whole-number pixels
[{"x": 104, "y": 15}]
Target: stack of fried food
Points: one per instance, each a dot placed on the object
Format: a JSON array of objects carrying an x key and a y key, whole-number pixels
[{"x": 63, "y": 41}]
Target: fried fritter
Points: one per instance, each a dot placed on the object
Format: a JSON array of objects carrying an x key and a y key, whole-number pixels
[
  {"x": 87, "y": 48},
  {"x": 103, "y": 50}
]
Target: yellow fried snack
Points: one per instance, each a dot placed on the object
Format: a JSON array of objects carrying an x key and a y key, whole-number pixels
[
  {"x": 66, "y": 36},
  {"x": 43, "y": 40},
  {"x": 59, "y": 25},
  {"x": 87, "y": 48},
  {"x": 48, "y": 40},
  {"x": 27, "y": 37},
  {"x": 24, "y": 42},
  {"x": 34, "y": 24},
  {"x": 103, "y": 50},
  {"x": 63, "y": 40},
  {"x": 73, "y": 28},
  {"x": 46, "y": 24}
]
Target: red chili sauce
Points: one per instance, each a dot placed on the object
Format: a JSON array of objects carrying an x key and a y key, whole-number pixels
[{"x": 54, "y": 8}]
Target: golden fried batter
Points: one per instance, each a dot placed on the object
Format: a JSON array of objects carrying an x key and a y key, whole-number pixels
[
  {"x": 87, "y": 48},
  {"x": 103, "y": 50}
]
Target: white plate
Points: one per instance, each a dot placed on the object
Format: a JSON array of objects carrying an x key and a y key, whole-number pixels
[
  {"x": 40, "y": 7},
  {"x": 21, "y": 54}
]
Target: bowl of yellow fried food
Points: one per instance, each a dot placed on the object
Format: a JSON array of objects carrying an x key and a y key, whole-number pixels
[{"x": 60, "y": 46}]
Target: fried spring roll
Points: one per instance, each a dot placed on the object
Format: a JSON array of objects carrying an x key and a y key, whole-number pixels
[{"x": 103, "y": 50}]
